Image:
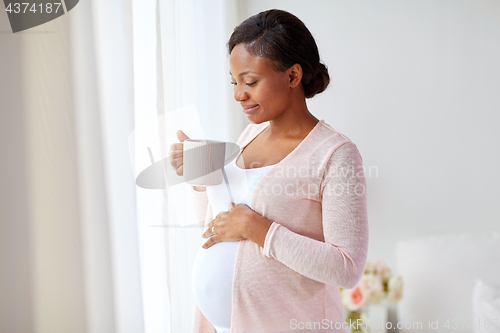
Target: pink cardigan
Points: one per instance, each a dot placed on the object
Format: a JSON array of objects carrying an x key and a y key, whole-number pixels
[{"x": 318, "y": 241}]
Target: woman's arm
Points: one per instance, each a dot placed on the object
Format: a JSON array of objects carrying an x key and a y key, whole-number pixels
[{"x": 340, "y": 260}]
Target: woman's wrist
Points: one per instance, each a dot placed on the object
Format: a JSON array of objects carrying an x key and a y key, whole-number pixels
[{"x": 257, "y": 228}]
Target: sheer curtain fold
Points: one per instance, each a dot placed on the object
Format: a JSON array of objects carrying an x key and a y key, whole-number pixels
[
  {"x": 194, "y": 95},
  {"x": 111, "y": 29},
  {"x": 103, "y": 93}
]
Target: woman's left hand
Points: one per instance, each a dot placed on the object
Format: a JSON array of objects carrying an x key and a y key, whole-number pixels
[{"x": 230, "y": 225}]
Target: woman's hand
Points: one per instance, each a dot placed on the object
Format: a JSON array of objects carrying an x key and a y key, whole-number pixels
[
  {"x": 176, "y": 153},
  {"x": 239, "y": 223}
]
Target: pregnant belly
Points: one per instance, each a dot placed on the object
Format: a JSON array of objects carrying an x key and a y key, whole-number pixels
[{"x": 213, "y": 281}]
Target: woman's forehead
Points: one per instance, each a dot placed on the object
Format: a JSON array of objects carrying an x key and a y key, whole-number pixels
[{"x": 242, "y": 62}]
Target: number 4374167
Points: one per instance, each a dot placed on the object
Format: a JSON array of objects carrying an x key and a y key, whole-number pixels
[{"x": 34, "y": 8}]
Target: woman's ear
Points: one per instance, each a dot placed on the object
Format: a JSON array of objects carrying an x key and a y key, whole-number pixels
[{"x": 295, "y": 75}]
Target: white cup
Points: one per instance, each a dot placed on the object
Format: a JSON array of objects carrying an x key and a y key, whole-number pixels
[{"x": 203, "y": 161}]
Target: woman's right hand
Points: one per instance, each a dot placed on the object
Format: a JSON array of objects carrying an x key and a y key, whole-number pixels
[
  {"x": 176, "y": 153},
  {"x": 176, "y": 158}
]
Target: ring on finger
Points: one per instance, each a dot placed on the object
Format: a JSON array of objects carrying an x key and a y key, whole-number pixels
[{"x": 213, "y": 229}]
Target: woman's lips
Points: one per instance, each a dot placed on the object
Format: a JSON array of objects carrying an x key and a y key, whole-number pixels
[{"x": 247, "y": 109}]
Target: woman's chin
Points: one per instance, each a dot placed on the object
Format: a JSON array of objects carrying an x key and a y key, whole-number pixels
[{"x": 255, "y": 119}]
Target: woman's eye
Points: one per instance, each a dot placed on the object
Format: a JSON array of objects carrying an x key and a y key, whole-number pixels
[{"x": 248, "y": 84}]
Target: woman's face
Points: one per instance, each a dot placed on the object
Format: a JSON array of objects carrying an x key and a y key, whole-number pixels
[{"x": 263, "y": 93}]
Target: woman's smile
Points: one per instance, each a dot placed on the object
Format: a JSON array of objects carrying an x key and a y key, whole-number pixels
[{"x": 247, "y": 109}]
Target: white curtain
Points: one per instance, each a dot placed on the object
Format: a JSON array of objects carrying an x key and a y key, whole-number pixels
[
  {"x": 193, "y": 94},
  {"x": 83, "y": 249},
  {"x": 69, "y": 247},
  {"x": 110, "y": 25}
]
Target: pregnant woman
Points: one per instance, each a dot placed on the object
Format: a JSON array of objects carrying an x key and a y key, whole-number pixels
[{"x": 273, "y": 259}]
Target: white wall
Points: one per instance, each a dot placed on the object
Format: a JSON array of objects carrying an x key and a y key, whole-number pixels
[{"x": 415, "y": 85}]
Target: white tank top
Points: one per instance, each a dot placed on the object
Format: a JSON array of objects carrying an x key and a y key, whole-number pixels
[{"x": 212, "y": 277}]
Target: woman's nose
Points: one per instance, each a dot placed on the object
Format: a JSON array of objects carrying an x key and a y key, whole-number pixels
[{"x": 240, "y": 94}]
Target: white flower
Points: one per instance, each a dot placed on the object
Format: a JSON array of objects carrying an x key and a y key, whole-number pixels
[
  {"x": 382, "y": 269},
  {"x": 355, "y": 298},
  {"x": 375, "y": 287},
  {"x": 369, "y": 289},
  {"x": 395, "y": 287},
  {"x": 369, "y": 268}
]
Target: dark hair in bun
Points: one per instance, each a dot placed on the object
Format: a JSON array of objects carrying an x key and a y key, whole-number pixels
[{"x": 283, "y": 38}]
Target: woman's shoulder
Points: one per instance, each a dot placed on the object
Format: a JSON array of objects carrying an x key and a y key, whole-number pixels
[
  {"x": 328, "y": 144},
  {"x": 323, "y": 140},
  {"x": 328, "y": 131},
  {"x": 344, "y": 149}
]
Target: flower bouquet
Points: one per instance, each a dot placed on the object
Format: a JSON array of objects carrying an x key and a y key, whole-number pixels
[{"x": 376, "y": 285}]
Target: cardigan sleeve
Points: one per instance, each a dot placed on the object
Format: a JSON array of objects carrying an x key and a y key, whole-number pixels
[{"x": 339, "y": 260}]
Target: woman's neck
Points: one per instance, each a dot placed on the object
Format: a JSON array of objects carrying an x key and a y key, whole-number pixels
[{"x": 294, "y": 123}]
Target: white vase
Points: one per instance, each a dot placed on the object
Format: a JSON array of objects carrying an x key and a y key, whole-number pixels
[{"x": 377, "y": 315}]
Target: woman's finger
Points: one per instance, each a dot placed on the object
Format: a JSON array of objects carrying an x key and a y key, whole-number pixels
[
  {"x": 174, "y": 151},
  {"x": 221, "y": 215},
  {"x": 180, "y": 170},
  {"x": 176, "y": 154},
  {"x": 176, "y": 162},
  {"x": 211, "y": 230},
  {"x": 181, "y": 136},
  {"x": 211, "y": 241},
  {"x": 176, "y": 157},
  {"x": 177, "y": 146}
]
